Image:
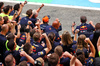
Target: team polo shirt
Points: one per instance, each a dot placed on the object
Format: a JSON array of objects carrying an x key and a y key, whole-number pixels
[
  {"x": 37, "y": 47},
  {"x": 43, "y": 26},
  {"x": 49, "y": 29},
  {"x": 65, "y": 61},
  {"x": 15, "y": 54},
  {"x": 35, "y": 56},
  {"x": 2, "y": 14},
  {"x": 2, "y": 46},
  {"x": 55, "y": 44},
  {"x": 86, "y": 29},
  {"x": 34, "y": 20},
  {"x": 89, "y": 61},
  {"x": 24, "y": 21},
  {"x": 22, "y": 39}
]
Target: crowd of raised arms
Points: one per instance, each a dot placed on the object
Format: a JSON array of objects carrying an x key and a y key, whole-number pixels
[{"x": 29, "y": 41}]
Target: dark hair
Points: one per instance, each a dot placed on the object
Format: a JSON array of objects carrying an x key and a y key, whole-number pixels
[
  {"x": 27, "y": 48},
  {"x": 97, "y": 26},
  {"x": 32, "y": 31},
  {"x": 80, "y": 56},
  {"x": 11, "y": 44},
  {"x": 10, "y": 36},
  {"x": 22, "y": 29},
  {"x": 1, "y": 4},
  {"x": 16, "y": 6},
  {"x": 94, "y": 41},
  {"x": 23, "y": 63},
  {"x": 53, "y": 59},
  {"x": 36, "y": 36},
  {"x": 29, "y": 12},
  {"x": 83, "y": 19},
  {"x": 6, "y": 9},
  {"x": 5, "y": 19},
  {"x": 51, "y": 37}
]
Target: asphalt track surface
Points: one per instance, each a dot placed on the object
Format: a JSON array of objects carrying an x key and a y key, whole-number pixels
[{"x": 66, "y": 15}]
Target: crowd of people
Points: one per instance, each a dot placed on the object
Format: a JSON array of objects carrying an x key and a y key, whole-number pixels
[{"x": 29, "y": 41}]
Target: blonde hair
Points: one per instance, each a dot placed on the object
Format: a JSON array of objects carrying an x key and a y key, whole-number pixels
[
  {"x": 81, "y": 43},
  {"x": 40, "y": 59},
  {"x": 66, "y": 38}
]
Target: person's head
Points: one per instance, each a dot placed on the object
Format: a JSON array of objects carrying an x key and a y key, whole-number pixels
[
  {"x": 10, "y": 60},
  {"x": 97, "y": 26},
  {"x": 35, "y": 14},
  {"x": 29, "y": 13},
  {"x": 45, "y": 19},
  {"x": 1, "y": 20},
  {"x": 66, "y": 38},
  {"x": 83, "y": 19},
  {"x": 1, "y": 5},
  {"x": 10, "y": 36},
  {"x": 80, "y": 56},
  {"x": 36, "y": 36},
  {"x": 32, "y": 31},
  {"x": 39, "y": 62},
  {"x": 56, "y": 24},
  {"x": 6, "y": 19},
  {"x": 53, "y": 59},
  {"x": 6, "y": 9},
  {"x": 23, "y": 63},
  {"x": 4, "y": 28},
  {"x": 11, "y": 44},
  {"x": 81, "y": 43},
  {"x": 17, "y": 7},
  {"x": 51, "y": 37},
  {"x": 28, "y": 48},
  {"x": 58, "y": 50}
]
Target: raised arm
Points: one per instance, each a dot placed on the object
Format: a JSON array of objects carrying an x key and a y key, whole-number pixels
[
  {"x": 38, "y": 10},
  {"x": 72, "y": 61},
  {"x": 27, "y": 34},
  {"x": 72, "y": 27},
  {"x": 49, "y": 47},
  {"x": 98, "y": 46},
  {"x": 75, "y": 35},
  {"x": 18, "y": 33},
  {"x": 77, "y": 62},
  {"x": 29, "y": 58},
  {"x": 92, "y": 24},
  {"x": 92, "y": 53}
]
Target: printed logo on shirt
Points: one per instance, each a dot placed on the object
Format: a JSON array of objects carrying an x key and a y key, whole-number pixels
[
  {"x": 49, "y": 28},
  {"x": 40, "y": 53}
]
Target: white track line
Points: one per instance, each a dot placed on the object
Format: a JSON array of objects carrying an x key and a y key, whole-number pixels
[
  {"x": 95, "y": 1},
  {"x": 54, "y": 5}
]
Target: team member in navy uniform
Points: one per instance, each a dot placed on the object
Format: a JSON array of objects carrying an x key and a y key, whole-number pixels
[
  {"x": 29, "y": 50},
  {"x": 51, "y": 37},
  {"x": 90, "y": 60},
  {"x": 84, "y": 28},
  {"x": 94, "y": 37},
  {"x": 3, "y": 41},
  {"x": 35, "y": 15},
  {"x": 53, "y": 28},
  {"x": 45, "y": 20},
  {"x": 67, "y": 42},
  {"x": 16, "y": 54},
  {"x": 26, "y": 20}
]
